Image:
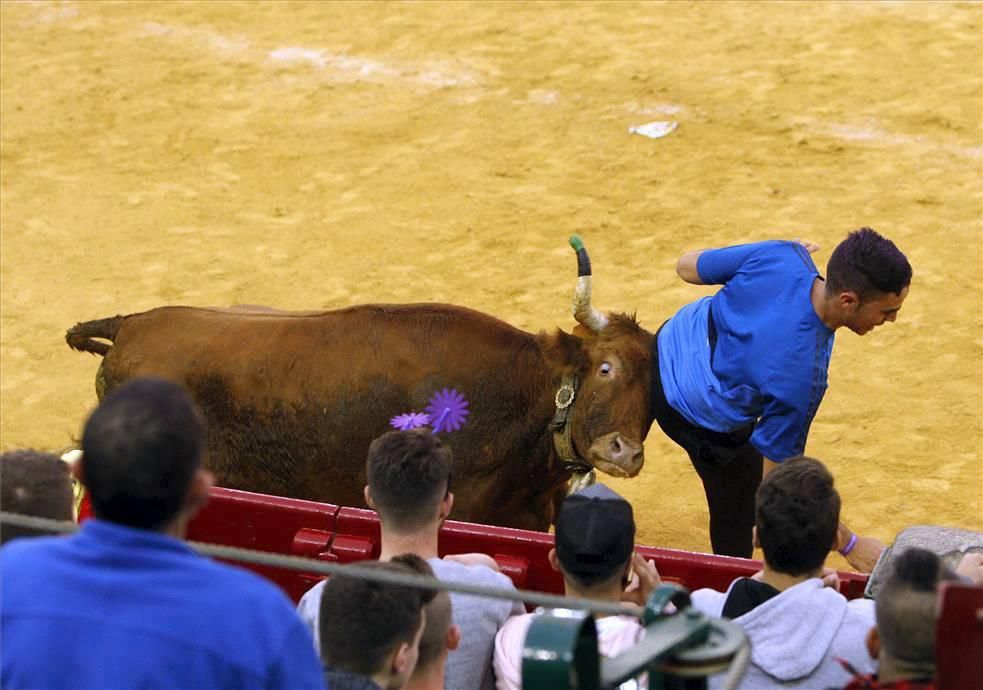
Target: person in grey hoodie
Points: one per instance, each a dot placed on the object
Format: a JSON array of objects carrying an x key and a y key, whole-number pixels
[{"x": 795, "y": 619}]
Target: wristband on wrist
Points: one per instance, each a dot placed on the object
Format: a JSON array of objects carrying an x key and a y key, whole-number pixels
[{"x": 849, "y": 545}]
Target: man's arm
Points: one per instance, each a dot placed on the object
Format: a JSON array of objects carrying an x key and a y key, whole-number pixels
[
  {"x": 686, "y": 267},
  {"x": 863, "y": 554},
  {"x": 722, "y": 263}
]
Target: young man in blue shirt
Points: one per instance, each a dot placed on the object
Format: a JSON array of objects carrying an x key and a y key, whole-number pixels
[
  {"x": 124, "y": 603},
  {"x": 738, "y": 377}
]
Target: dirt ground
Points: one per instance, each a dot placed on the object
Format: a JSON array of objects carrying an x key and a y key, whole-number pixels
[{"x": 325, "y": 154}]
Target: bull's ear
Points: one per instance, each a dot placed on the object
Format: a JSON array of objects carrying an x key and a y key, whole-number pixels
[{"x": 563, "y": 350}]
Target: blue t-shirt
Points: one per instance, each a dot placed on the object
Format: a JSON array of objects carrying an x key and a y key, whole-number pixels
[
  {"x": 115, "y": 607},
  {"x": 772, "y": 350}
]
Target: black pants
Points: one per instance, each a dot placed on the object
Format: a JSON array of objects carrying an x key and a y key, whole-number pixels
[{"x": 728, "y": 464}]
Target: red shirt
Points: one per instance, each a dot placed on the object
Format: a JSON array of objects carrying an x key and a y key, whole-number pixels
[
  {"x": 862, "y": 682},
  {"x": 870, "y": 682}
]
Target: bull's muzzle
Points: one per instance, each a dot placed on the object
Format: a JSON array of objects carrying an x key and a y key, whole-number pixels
[{"x": 616, "y": 455}]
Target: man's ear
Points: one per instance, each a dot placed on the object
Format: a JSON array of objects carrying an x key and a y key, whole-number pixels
[
  {"x": 401, "y": 659},
  {"x": 445, "y": 507},
  {"x": 554, "y": 561},
  {"x": 755, "y": 542},
  {"x": 873, "y": 643},
  {"x": 849, "y": 301},
  {"x": 453, "y": 637},
  {"x": 201, "y": 483},
  {"x": 368, "y": 497},
  {"x": 562, "y": 350}
]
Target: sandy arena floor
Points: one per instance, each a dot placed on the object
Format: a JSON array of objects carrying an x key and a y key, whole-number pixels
[{"x": 324, "y": 154}]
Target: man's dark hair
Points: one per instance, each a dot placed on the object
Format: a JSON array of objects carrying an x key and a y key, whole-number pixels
[
  {"x": 906, "y": 606},
  {"x": 35, "y": 484},
  {"x": 140, "y": 450},
  {"x": 797, "y": 515},
  {"x": 868, "y": 264},
  {"x": 361, "y": 623},
  {"x": 408, "y": 475}
]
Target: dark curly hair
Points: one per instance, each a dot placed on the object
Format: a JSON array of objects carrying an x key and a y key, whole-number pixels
[
  {"x": 362, "y": 623},
  {"x": 141, "y": 448},
  {"x": 797, "y": 515},
  {"x": 867, "y": 263},
  {"x": 409, "y": 473}
]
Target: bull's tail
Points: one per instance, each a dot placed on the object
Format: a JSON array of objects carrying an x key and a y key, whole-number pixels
[{"x": 80, "y": 336}]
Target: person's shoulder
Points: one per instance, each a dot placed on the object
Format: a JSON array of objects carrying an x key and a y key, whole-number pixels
[
  {"x": 709, "y": 601},
  {"x": 453, "y": 571},
  {"x": 514, "y": 629},
  {"x": 22, "y": 551},
  {"x": 861, "y": 609}
]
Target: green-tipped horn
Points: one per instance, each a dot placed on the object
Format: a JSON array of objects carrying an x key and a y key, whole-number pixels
[{"x": 582, "y": 309}]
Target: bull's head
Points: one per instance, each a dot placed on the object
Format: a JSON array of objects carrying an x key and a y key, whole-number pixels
[{"x": 609, "y": 357}]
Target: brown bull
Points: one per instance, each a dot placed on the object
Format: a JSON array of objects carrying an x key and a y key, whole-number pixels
[{"x": 293, "y": 399}]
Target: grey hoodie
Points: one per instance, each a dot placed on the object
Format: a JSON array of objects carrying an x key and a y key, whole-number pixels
[{"x": 795, "y": 635}]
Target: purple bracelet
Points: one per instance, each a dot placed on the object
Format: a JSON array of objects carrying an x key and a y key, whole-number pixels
[{"x": 849, "y": 545}]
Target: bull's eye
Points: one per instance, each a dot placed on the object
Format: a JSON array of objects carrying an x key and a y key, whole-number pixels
[{"x": 605, "y": 369}]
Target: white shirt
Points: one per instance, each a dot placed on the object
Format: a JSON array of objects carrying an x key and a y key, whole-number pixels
[{"x": 615, "y": 634}]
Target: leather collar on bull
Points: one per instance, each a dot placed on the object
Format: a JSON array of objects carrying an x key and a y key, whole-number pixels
[{"x": 583, "y": 471}]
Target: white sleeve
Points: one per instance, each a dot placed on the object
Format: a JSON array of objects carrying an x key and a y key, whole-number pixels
[
  {"x": 309, "y": 608},
  {"x": 508, "y": 652}
]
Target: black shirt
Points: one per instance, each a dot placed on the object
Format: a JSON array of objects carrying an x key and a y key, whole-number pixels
[{"x": 745, "y": 595}]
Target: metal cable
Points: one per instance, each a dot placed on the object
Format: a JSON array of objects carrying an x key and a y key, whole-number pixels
[
  {"x": 309, "y": 565},
  {"x": 738, "y": 667}
]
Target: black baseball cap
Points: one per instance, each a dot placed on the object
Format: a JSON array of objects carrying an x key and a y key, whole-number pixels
[{"x": 595, "y": 534}]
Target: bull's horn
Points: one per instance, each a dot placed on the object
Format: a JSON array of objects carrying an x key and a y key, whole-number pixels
[{"x": 582, "y": 310}]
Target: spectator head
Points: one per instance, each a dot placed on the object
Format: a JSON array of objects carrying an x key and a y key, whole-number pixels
[
  {"x": 440, "y": 637},
  {"x": 595, "y": 538},
  {"x": 409, "y": 474},
  {"x": 35, "y": 484},
  {"x": 141, "y": 456},
  {"x": 868, "y": 278},
  {"x": 796, "y": 516},
  {"x": 373, "y": 629},
  {"x": 906, "y": 610}
]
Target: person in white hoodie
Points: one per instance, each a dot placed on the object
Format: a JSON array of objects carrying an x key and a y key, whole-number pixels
[
  {"x": 795, "y": 619},
  {"x": 595, "y": 553}
]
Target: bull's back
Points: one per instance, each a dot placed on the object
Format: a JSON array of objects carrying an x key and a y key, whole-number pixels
[{"x": 259, "y": 352}]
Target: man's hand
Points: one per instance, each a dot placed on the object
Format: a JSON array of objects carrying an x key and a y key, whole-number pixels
[
  {"x": 971, "y": 566},
  {"x": 831, "y": 579},
  {"x": 865, "y": 553},
  {"x": 810, "y": 246},
  {"x": 643, "y": 582}
]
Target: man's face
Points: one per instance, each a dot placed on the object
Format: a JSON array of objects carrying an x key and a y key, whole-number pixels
[{"x": 873, "y": 312}]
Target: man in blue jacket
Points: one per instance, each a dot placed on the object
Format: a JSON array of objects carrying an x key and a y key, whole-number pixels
[
  {"x": 738, "y": 377},
  {"x": 124, "y": 602}
]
